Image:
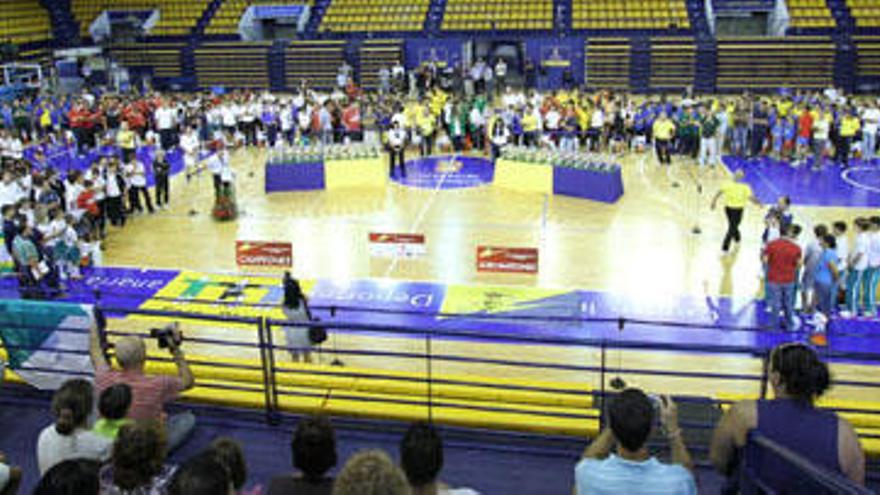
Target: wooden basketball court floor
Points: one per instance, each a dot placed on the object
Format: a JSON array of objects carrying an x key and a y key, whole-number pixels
[{"x": 642, "y": 248}]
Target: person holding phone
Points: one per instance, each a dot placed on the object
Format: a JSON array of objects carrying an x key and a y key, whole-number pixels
[{"x": 631, "y": 468}]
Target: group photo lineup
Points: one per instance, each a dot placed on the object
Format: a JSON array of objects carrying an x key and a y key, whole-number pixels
[{"x": 439, "y": 247}]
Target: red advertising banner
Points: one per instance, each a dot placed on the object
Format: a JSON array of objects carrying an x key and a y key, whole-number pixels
[
  {"x": 259, "y": 253},
  {"x": 507, "y": 259},
  {"x": 397, "y": 245}
]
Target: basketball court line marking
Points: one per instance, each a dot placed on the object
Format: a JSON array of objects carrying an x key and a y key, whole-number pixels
[
  {"x": 858, "y": 185},
  {"x": 419, "y": 218}
]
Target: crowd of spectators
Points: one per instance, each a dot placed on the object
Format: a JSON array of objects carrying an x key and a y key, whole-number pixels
[
  {"x": 73, "y": 164},
  {"x": 125, "y": 452}
]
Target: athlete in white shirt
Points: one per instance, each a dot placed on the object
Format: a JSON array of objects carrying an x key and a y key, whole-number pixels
[
  {"x": 858, "y": 265},
  {"x": 872, "y": 276},
  {"x": 871, "y": 118}
]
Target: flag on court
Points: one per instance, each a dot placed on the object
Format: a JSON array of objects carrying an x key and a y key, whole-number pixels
[
  {"x": 6, "y": 265},
  {"x": 37, "y": 336}
]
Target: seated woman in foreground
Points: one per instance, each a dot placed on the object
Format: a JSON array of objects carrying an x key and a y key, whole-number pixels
[{"x": 791, "y": 420}]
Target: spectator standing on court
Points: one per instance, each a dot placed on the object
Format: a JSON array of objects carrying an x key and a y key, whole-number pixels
[
  {"x": 663, "y": 131},
  {"x": 872, "y": 276},
  {"x": 708, "y": 137},
  {"x": 397, "y": 150},
  {"x": 813, "y": 252},
  {"x": 632, "y": 469},
  {"x": 736, "y": 194},
  {"x": 857, "y": 266},
  {"x": 826, "y": 278},
  {"x": 798, "y": 378},
  {"x": 849, "y": 126},
  {"x": 782, "y": 258},
  {"x": 149, "y": 393},
  {"x": 161, "y": 172},
  {"x": 871, "y": 119}
]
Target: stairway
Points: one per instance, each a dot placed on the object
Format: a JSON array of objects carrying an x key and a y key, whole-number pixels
[
  {"x": 699, "y": 19},
  {"x": 640, "y": 64},
  {"x": 65, "y": 29},
  {"x": 845, "y": 22},
  {"x": 205, "y": 19},
  {"x": 315, "y": 17},
  {"x": 434, "y": 21},
  {"x": 562, "y": 16},
  {"x": 277, "y": 64}
]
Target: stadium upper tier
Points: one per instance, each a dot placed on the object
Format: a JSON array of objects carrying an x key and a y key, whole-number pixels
[
  {"x": 468, "y": 15},
  {"x": 227, "y": 17},
  {"x": 865, "y": 12},
  {"x": 176, "y": 17},
  {"x": 810, "y": 14},
  {"x": 630, "y": 14},
  {"x": 23, "y": 21},
  {"x": 347, "y": 16}
]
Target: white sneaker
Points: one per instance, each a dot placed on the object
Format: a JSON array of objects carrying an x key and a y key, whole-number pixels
[{"x": 846, "y": 314}]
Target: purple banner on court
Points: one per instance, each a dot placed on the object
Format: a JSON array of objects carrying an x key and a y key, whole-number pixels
[{"x": 294, "y": 177}]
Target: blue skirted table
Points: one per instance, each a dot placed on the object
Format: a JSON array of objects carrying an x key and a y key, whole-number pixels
[
  {"x": 330, "y": 174},
  {"x": 597, "y": 184}
]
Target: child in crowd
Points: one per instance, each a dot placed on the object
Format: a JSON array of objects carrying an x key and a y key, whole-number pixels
[
  {"x": 228, "y": 453},
  {"x": 113, "y": 405}
]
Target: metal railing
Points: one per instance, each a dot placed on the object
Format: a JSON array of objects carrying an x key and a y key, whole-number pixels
[{"x": 599, "y": 359}]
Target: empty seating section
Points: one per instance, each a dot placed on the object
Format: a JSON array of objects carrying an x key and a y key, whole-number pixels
[
  {"x": 805, "y": 62},
  {"x": 163, "y": 58},
  {"x": 23, "y": 21},
  {"x": 673, "y": 62},
  {"x": 629, "y": 14},
  {"x": 233, "y": 65},
  {"x": 225, "y": 19},
  {"x": 317, "y": 62},
  {"x": 483, "y": 15},
  {"x": 376, "y": 54},
  {"x": 868, "y": 56},
  {"x": 344, "y": 16},
  {"x": 810, "y": 14},
  {"x": 176, "y": 17},
  {"x": 865, "y": 12},
  {"x": 608, "y": 62}
]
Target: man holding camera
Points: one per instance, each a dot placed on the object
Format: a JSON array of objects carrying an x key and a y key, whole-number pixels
[
  {"x": 149, "y": 392},
  {"x": 633, "y": 470}
]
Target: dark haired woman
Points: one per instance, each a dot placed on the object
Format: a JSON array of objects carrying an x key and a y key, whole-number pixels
[
  {"x": 296, "y": 309},
  {"x": 791, "y": 420},
  {"x": 69, "y": 437},
  {"x": 314, "y": 454},
  {"x": 74, "y": 477},
  {"x": 138, "y": 466}
]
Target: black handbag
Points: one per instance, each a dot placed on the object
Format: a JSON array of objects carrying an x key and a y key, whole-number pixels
[{"x": 317, "y": 335}]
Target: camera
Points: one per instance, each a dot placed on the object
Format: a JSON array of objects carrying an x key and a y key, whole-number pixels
[{"x": 167, "y": 336}]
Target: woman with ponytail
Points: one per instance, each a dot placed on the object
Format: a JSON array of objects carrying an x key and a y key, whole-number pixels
[
  {"x": 69, "y": 437},
  {"x": 791, "y": 420}
]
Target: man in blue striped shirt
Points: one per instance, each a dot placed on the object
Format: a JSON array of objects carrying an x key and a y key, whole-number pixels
[{"x": 633, "y": 470}]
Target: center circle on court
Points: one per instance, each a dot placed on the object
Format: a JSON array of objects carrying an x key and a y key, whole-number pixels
[
  {"x": 446, "y": 172},
  {"x": 864, "y": 178}
]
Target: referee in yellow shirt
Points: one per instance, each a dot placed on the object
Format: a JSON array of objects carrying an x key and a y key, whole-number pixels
[
  {"x": 736, "y": 195},
  {"x": 849, "y": 126},
  {"x": 663, "y": 130}
]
